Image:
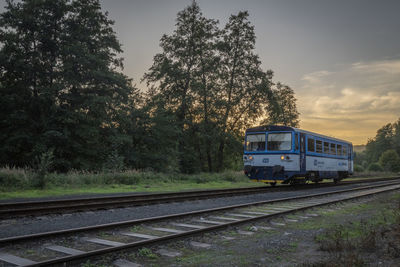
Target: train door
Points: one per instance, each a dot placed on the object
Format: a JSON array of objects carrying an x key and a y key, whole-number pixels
[
  {"x": 350, "y": 157},
  {"x": 302, "y": 152}
]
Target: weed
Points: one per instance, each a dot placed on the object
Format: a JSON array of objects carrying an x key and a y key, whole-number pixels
[
  {"x": 44, "y": 163},
  {"x": 24, "y": 182},
  {"x": 104, "y": 234},
  {"x": 147, "y": 253},
  {"x": 135, "y": 228},
  {"x": 335, "y": 239},
  {"x": 30, "y": 252},
  {"x": 89, "y": 264},
  {"x": 348, "y": 244}
]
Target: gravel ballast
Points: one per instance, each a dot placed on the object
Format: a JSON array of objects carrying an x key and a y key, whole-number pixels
[{"x": 31, "y": 225}]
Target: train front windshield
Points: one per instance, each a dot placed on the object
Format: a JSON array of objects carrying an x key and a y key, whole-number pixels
[
  {"x": 255, "y": 142},
  {"x": 279, "y": 141}
]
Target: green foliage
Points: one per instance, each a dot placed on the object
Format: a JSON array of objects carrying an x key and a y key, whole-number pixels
[
  {"x": 358, "y": 168},
  {"x": 62, "y": 90},
  {"x": 283, "y": 109},
  {"x": 60, "y": 86},
  {"x": 387, "y": 138},
  {"x": 349, "y": 243},
  {"x": 213, "y": 84},
  {"x": 147, "y": 253},
  {"x": 114, "y": 162},
  {"x": 375, "y": 167},
  {"x": 44, "y": 164},
  {"x": 390, "y": 161},
  {"x": 14, "y": 179},
  {"x": 383, "y": 141}
]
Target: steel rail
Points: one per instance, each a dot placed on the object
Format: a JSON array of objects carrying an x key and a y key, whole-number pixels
[
  {"x": 176, "y": 215},
  {"x": 369, "y": 191},
  {"x": 26, "y": 208}
]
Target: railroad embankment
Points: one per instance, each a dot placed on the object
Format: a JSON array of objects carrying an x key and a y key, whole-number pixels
[
  {"x": 23, "y": 183},
  {"x": 26, "y": 183}
]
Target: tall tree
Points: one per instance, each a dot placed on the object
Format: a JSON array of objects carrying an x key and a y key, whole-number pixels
[
  {"x": 61, "y": 80},
  {"x": 245, "y": 87},
  {"x": 396, "y": 136},
  {"x": 283, "y": 109},
  {"x": 181, "y": 74},
  {"x": 95, "y": 93},
  {"x": 382, "y": 142},
  {"x": 29, "y": 68}
]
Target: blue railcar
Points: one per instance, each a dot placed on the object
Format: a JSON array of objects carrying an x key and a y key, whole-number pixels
[{"x": 282, "y": 154}]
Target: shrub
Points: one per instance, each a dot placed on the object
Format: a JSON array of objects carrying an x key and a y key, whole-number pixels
[
  {"x": 12, "y": 178},
  {"x": 375, "y": 167},
  {"x": 44, "y": 163},
  {"x": 358, "y": 168},
  {"x": 390, "y": 161}
]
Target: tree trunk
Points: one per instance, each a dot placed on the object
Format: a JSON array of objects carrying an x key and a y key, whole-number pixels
[{"x": 220, "y": 162}]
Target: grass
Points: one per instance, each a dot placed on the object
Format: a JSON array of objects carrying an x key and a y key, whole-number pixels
[
  {"x": 147, "y": 253},
  {"x": 359, "y": 242},
  {"x": 20, "y": 183},
  {"x": 372, "y": 174},
  {"x": 117, "y": 188},
  {"x": 23, "y": 183}
]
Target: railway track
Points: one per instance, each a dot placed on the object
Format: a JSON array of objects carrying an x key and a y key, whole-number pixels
[
  {"x": 69, "y": 246},
  {"x": 29, "y": 208}
]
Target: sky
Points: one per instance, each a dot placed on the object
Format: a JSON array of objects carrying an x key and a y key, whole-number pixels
[{"x": 341, "y": 57}]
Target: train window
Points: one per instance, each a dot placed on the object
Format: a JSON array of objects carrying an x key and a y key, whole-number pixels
[
  {"x": 326, "y": 147},
  {"x": 255, "y": 142},
  {"x": 310, "y": 145},
  {"x": 318, "y": 146},
  {"x": 344, "y": 150},
  {"x": 332, "y": 151},
  {"x": 339, "y": 150},
  {"x": 279, "y": 141}
]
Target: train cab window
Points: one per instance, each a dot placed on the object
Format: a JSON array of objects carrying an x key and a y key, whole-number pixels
[
  {"x": 344, "y": 150},
  {"x": 332, "y": 151},
  {"x": 310, "y": 145},
  {"x": 318, "y": 146},
  {"x": 326, "y": 147},
  {"x": 339, "y": 150},
  {"x": 279, "y": 141},
  {"x": 255, "y": 142}
]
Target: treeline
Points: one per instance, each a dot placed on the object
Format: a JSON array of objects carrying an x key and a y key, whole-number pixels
[
  {"x": 382, "y": 152},
  {"x": 65, "y": 103}
]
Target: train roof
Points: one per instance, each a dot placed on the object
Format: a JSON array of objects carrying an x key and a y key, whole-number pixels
[{"x": 267, "y": 128}]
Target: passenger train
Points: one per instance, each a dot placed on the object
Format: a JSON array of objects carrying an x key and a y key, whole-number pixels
[{"x": 282, "y": 154}]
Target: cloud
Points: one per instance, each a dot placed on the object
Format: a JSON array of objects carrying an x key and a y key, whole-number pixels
[{"x": 351, "y": 103}]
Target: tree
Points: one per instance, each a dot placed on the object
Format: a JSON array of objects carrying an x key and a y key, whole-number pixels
[
  {"x": 390, "y": 161},
  {"x": 182, "y": 74},
  {"x": 396, "y": 136},
  {"x": 375, "y": 167},
  {"x": 154, "y": 137},
  {"x": 382, "y": 142},
  {"x": 283, "y": 110},
  {"x": 61, "y": 80},
  {"x": 213, "y": 82},
  {"x": 29, "y": 68},
  {"x": 245, "y": 87}
]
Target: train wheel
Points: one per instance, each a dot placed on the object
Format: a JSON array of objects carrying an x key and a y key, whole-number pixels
[{"x": 273, "y": 184}]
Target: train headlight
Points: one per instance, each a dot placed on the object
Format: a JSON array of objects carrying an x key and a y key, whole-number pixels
[
  {"x": 251, "y": 157},
  {"x": 282, "y": 157}
]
